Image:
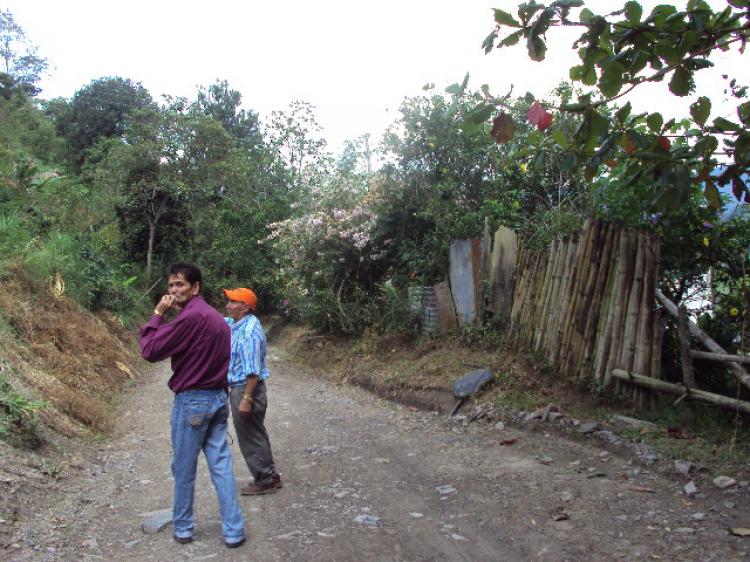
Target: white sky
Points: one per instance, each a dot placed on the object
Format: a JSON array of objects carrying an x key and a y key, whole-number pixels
[{"x": 354, "y": 60}]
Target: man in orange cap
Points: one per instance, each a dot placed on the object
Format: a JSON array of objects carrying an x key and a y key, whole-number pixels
[{"x": 246, "y": 377}]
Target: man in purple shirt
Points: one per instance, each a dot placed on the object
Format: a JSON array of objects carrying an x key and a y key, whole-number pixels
[{"x": 198, "y": 342}]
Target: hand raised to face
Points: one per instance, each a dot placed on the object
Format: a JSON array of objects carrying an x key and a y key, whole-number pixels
[{"x": 166, "y": 302}]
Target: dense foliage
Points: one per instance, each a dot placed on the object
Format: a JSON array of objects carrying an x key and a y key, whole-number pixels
[{"x": 107, "y": 187}]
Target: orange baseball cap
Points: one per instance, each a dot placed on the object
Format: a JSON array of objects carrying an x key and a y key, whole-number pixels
[{"x": 242, "y": 294}]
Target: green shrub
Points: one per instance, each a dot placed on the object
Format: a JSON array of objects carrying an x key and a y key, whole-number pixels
[
  {"x": 14, "y": 236},
  {"x": 17, "y": 416},
  {"x": 391, "y": 314}
]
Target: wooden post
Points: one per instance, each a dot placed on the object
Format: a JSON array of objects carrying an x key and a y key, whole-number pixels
[
  {"x": 720, "y": 357},
  {"x": 739, "y": 373},
  {"x": 656, "y": 384},
  {"x": 688, "y": 376}
]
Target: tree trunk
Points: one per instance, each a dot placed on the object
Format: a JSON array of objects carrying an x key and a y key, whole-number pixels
[{"x": 150, "y": 251}]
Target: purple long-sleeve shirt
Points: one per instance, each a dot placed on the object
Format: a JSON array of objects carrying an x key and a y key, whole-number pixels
[{"x": 199, "y": 342}]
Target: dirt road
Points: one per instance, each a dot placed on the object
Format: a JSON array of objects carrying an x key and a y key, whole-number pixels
[{"x": 366, "y": 479}]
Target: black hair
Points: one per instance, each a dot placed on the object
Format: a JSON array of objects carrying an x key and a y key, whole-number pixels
[{"x": 191, "y": 273}]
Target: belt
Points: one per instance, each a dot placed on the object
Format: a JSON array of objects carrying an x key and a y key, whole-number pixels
[{"x": 243, "y": 383}]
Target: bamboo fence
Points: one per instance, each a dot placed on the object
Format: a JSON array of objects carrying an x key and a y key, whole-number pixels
[{"x": 587, "y": 305}]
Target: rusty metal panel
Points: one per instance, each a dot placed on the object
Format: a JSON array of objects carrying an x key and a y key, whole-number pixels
[
  {"x": 465, "y": 266},
  {"x": 446, "y": 311}
]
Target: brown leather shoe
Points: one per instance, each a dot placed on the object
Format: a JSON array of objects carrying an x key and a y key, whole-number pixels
[{"x": 255, "y": 490}]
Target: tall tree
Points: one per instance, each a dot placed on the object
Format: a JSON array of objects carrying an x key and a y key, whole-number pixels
[
  {"x": 296, "y": 135},
  {"x": 224, "y": 104},
  {"x": 99, "y": 110},
  {"x": 169, "y": 165},
  {"x": 22, "y": 67}
]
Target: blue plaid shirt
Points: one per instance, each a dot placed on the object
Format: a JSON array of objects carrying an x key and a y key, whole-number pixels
[{"x": 248, "y": 350}]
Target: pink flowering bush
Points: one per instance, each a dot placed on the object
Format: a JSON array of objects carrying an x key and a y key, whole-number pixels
[{"x": 331, "y": 261}]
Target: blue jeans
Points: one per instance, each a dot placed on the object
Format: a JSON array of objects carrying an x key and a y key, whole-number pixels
[{"x": 199, "y": 422}]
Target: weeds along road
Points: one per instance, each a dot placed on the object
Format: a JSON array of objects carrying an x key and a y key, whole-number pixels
[{"x": 369, "y": 480}]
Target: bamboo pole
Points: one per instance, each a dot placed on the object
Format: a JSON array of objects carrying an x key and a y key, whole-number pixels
[
  {"x": 572, "y": 296},
  {"x": 621, "y": 295},
  {"x": 546, "y": 291},
  {"x": 739, "y": 373},
  {"x": 611, "y": 294},
  {"x": 596, "y": 305},
  {"x": 559, "y": 324},
  {"x": 554, "y": 298},
  {"x": 632, "y": 316},
  {"x": 572, "y": 336},
  {"x": 656, "y": 384},
  {"x": 587, "y": 314},
  {"x": 644, "y": 329}
]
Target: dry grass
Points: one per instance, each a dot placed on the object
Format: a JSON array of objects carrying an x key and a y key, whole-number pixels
[
  {"x": 77, "y": 362},
  {"x": 421, "y": 371}
]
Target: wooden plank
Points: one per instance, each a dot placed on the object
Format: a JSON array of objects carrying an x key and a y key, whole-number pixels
[
  {"x": 657, "y": 384},
  {"x": 503, "y": 271},
  {"x": 688, "y": 376},
  {"x": 484, "y": 271},
  {"x": 445, "y": 309}
]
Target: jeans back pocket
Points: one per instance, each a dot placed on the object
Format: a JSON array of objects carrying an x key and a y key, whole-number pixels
[{"x": 198, "y": 412}]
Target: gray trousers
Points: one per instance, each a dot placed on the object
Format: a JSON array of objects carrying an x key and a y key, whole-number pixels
[{"x": 252, "y": 435}]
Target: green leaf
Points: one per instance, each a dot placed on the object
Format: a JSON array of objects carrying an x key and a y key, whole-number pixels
[
  {"x": 681, "y": 83},
  {"x": 700, "y": 110},
  {"x": 576, "y": 72},
  {"x": 599, "y": 124},
  {"x": 568, "y": 3},
  {"x": 711, "y": 192},
  {"x": 725, "y": 125},
  {"x": 654, "y": 122},
  {"x": 511, "y": 39},
  {"x": 698, "y": 64},
  {"x": 633, "y": 11},
  {"x": 480, "y": 113},
  {"x": 574, "y": 107},
  {"x": 536, "y": 47},
  {"x": 504, "y": 18},
  {"x": 539, "y": 160},
  {"x": 535, "y": 137},
  {"x": 589, "y": 77},
  {"x": 667, "y": 52},
  {"x": 611, "y": 81},
  {"x": 623, "y": 112},
  {"x": 489, "y": 42},
  {"x": 568, "y": 163},
  {"x": 586, "y": 15},
  {"x": 561, "y": 138},
  {"x": 743, "y": 112},
  {"x": 454, "y": 89}
]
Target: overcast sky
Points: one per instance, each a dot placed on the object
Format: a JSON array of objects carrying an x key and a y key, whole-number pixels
[{"x": 354, "y": 60}]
